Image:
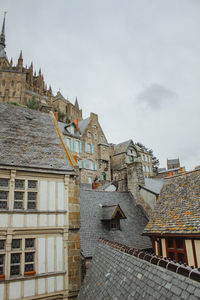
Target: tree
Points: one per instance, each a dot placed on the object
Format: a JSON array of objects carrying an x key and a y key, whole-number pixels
[{"x": 33, "y": 103}]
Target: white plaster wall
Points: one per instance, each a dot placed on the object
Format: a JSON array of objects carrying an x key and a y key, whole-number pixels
[
  {"x": 43, "y": 195},
  {"x": 31, "y": 220},
  {"x": 41, "y": 255},
  {"x": 59, "y": 259},
  {"x": 15, "y": 290},
  {"x": 51, "y": 284},
  {"x": 52, "y": 195},
  {"x": 51, "y": 254},
  {"x": 60, "y": 195},
  {"x": 41, "y": 286},
  {"x": 148, "y": 197},
  {"x": 61, "y": 221},
  {"x": 164, "y": 254},
  {"x": 1, "y": 290},
  {"x": 18, "y": 220},
  {"x": 43, "y": 220},
  {"x": 29, "y": 288},
  {"x": 189, "y": 250},
  {"x": 52, "y": 220},
  {"x": 197, "y": 247},
  {"x": 59, "y": 283},
  {"x": 3, "y": 220}
]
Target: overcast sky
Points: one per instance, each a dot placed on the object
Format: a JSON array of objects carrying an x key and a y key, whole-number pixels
[{"x": 136, "y": 63}]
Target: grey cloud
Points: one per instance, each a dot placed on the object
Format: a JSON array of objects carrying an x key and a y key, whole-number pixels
[{"x": 155, "y": 96}]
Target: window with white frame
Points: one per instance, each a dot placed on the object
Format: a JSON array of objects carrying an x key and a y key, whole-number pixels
[
  {"x": 4, "y": 191},
  {"x": 76, "y": 146},
  {"x": 67, "y": 141},
  {"x": 2, "y": 256},
  {"x": 22, "y": 249},
  {"x": 89, "y": 164},
  {"x": 25, "y": 198}
]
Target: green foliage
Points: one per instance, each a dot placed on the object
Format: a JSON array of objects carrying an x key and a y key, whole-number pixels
[
  {"x": 15, "y": 103},
  {"x": 33, "y": 103}
]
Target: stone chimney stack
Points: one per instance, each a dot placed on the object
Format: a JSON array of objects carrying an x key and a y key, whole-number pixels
[{"x": 135, "y": 177}]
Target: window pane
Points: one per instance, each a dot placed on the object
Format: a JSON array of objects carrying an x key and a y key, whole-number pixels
[
  {"x": 16, "y": 244},
  {"x": 3, "y": 182},
  {"x": 19, "y": 195},
  {"x": 1, "y": 259},
  {"x": 179, "y": 244},
  {"x": 3, "y": 195},
  {"x": 29, "y": 243},
  {"x": 29, "y": 267},
  {"x": 3, "y": 204},
  {"x": 170, "y": 243},
  {"x": 181, "y": 257},
  {"x": 19, "y": 184},
  {"x": 15, "y": 258},
  {"x": 171, "y": 255},
  {"x": 31, "y": 205},
  {"x": 15, "y": 270},
  {"x": 29, "y": 257},
  {"x": 32, "y": 184},
  {"x": 32, "y": 196},
  {"x": 2, "y": 245},
  {"x": 18, "y": 205}
]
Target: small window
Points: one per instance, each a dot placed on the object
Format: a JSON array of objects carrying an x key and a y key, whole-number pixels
[
  {"x": 32, "y": 184},
  {"x": 32, "y": 198},
  {"x": 89, "y": 134},
  {"x": 19, "y": 184},
  {"x": 16, "y": 244},
  {"x": 2, "y": 262},
  {"x": 18, "y": 200},
  {"x": 2, "y": 245},
  {"x": 3, "y": 199},
  {"x": 15, "y": 262},
  {"x": 29, "y": 243},
  {"x": 4, "y": 182}
]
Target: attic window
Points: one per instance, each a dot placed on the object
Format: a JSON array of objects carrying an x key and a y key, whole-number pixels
[{"x": 111, "y": 215}]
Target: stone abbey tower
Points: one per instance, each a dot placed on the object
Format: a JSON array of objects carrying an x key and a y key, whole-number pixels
[{"x": 21, "y": 85}]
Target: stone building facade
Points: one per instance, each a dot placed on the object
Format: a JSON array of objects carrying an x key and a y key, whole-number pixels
[
  {"x": 146, "y": 159},
  {"x": 90, "y": 148},
  {"x": 21, "y": 85},
  {"x": 39, "y": 208}
]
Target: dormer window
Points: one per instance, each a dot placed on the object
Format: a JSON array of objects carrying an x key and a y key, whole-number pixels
[{"x": 111, "y": 215}]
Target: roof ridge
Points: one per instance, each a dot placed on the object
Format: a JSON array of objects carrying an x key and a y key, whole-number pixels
[{"x": 181, "y": 269}]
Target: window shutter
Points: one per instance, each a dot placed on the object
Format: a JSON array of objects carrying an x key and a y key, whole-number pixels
[
  {"x": 71, "y": 145},
  {"x": 80, "y": 147},
  {"x": 92, "y": 149},
  {"x": 84, "y": 164},
  {"x": 85, "y": 147},
  {"x": 95, "y": 166}
]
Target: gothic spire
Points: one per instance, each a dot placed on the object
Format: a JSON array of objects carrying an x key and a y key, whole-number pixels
[
  {"x": 76, "y": 103},
  {"x": 2, "y": 36}
]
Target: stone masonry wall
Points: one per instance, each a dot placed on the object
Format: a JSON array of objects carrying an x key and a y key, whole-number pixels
[{"x": 74, "y": 263}]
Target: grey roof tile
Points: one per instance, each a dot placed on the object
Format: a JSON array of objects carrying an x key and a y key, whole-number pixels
[
  {"x": 91, "y": 203},
  {"x": 177, "y": 209},
  {"x": 28, "y": 138},
  {"x": 123, "y": 284}
]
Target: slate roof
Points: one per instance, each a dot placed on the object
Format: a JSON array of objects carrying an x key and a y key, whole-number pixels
[
  {"x": 92, "y": 229},
  {"x": 178, "y": 208},
  {"x": 109, "y": 212},
  {"x": 122, "y": 147},
  {"x": 173, "y": 161},
  {"x": 83, "y": 124},
  {"x": 153, "y": 185},
  {"x": 114, "y": 274},
  {"x": 28, "y": 138}
]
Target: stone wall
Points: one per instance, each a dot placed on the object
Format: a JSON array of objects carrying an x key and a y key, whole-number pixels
[{"x": 73, "y": 248}]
